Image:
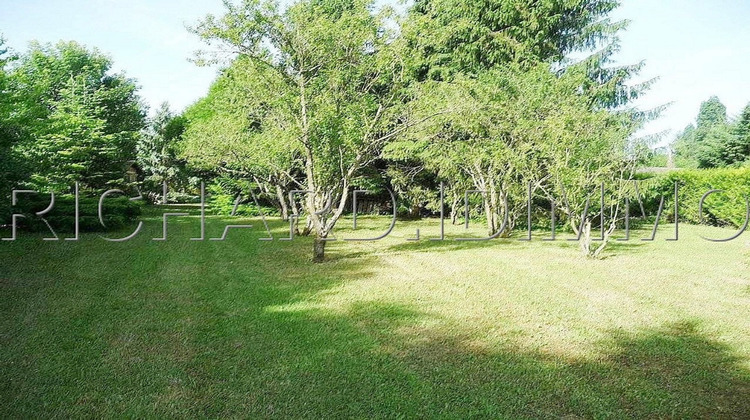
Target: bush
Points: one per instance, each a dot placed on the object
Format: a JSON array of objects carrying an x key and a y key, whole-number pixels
[
  {"x": 221, "y": 196},
  {"x": 117, "y": 213},
  {"x": 721, "y": 209}
]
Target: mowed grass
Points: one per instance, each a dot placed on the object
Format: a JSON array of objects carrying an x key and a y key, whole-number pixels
[{"x": 386, "y": 329}]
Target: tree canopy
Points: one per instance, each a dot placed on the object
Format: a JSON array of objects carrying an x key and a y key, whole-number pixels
[
  {"x": 78, "y": 121},
  {"x": 478, "y": 93},
  {"x": 330, "y": 87},
  {"x": 714, "y": 141},
  {"x": 318, "y": 98}
]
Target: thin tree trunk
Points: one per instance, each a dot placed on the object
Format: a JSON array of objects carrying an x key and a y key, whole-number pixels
[
  {"x": 415, "y": 211},
  {"x": 586, "y": 239},
  {"x": 454, "y": 209},
  {"x": 490, "y": 214},
  {"x": 308, "y": 228},
  {"x": 282, "y": 202},
  {"x": 507, "y": 217}
]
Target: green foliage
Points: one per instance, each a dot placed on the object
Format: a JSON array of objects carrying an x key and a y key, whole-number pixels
[
  {"x": 79, "y": 122},
  {"x": 724, "y": 209},
  {"x": 743, "y": 124},
  {"x": 117, "y": 212},
  {"x": 714, "y": 146},
  {"x": 450, "y": 37},
  {"x": 715, "y": 142},
  {"x": 237, "y": 132},
  {"x": 225, "y": 130},
  {"x": 11, "y": 170},
  {"x": 738, "y": 148},
  {"x": 684, "y": 148},
  {"x": 179, "y": 197},
  {"x": 466, "y": 90},
  {"x": 415, "y": 188},
  {"x": 455, "y": 36},
  {"x": 656, "y": 158},
  {"x": 712, "y": 113},
  {"x": 319, "y": 92},
  {"x": 518, "y": 126},
  {"x": 520, "y": 113},
  {"x": 222, "y": 195},
  {"x": 156, "y": 150}
]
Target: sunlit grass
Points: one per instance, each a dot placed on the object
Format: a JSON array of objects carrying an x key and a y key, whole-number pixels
[{"x": 383, "y": 329}]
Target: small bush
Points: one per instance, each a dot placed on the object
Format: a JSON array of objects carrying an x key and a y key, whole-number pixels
[{"x": 221, "y": 197}]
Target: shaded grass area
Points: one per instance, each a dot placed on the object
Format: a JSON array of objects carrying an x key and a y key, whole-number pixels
[{"x": 245, "y": 328}]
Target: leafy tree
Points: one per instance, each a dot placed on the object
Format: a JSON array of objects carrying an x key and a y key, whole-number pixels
[
  {"x": 738, "y": 150},
  {"x": 156, "y": 148},
  {"x": 80, "y": 121},
  {"x": 322, "y": 87},
  {"x": 334, "y": 86},
  {"x": 685, "y": 148},
  {"x": 712, "y": 113},
  {"x": 713, "y": 145},
  {"x": 73, "y": 146},
  {"x": 711, "y": 135},
  {"x": 715, "y": 142},
  {"x": 743, "y": 123},
  {"x": 415, "y": 187},
  {"x": 517, "y": 128},
  {"x": 225, "y": 134},
  {"x": 492, "y": 54},
  {"x": 448, "y": 37},
  {"x": 11, "y": 170}
]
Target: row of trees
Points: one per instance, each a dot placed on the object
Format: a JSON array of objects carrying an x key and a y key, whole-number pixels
[
  {"x": 714, "y": 141},
  {"x": 327, "y": 96}
]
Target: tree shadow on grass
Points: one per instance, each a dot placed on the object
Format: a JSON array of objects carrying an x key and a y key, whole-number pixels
[
  {"x": 672, "y": 372},
  {"x": 451, "y": 244},
  {"x": 209, "y": 329},
  {"x": 613, "y": 249},
  {"x": 392, "y": 365}
]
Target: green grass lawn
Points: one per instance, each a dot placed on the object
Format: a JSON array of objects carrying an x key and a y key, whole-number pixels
[{"x": 388, "y": 329}]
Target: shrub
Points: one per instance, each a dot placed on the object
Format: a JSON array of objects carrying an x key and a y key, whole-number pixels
[
  {"x": 222, "y": 195},
  {"x": 117, "y": 213}
]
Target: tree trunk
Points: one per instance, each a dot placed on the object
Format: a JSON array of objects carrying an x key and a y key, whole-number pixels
[
  {"x": 586, "y": 239},
  {"x": 415, "y": 211},
  {"x": 282, "y": 201},
  {"x": 491, "y": 215},
  {"x": 319, "y": 249},
  {"x": 454, "y": 209}
]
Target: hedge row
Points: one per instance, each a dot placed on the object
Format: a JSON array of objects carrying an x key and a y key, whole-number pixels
[
  {"x": 117, "y": 213},
  {"x": 721, "y": 209}
]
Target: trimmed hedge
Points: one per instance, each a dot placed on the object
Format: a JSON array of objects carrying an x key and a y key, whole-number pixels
[
  {"x": 720, "y": 209},
  {"x": 118, "y": 211}
]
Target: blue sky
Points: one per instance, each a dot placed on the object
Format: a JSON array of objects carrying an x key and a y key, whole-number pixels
[{"x": 697, "y": 48}]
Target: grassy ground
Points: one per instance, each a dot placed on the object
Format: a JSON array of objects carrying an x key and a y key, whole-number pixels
[{"x": 246, "y": 328}]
